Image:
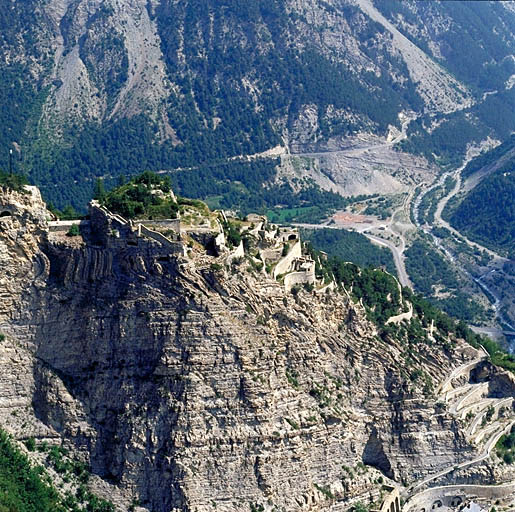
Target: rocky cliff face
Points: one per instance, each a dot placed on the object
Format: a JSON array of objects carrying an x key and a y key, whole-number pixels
[{"x": 191, "y": 387}]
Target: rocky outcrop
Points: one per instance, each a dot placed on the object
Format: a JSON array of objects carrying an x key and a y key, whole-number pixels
[{"x": 190, "y": 387}]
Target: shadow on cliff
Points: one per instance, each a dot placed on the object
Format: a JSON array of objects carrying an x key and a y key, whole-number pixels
[{"x": 100, "y": 337}]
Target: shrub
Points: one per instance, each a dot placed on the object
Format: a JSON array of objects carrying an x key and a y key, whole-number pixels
[
  {"x": 74, "y": 230},
  {"x": 30, "y": 443}
]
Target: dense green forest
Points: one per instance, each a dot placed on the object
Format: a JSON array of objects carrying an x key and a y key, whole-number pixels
[
  {"x": 22, "y": 486},
  {"x": 434, "y": 278},
  {"x": 481, "y": 66},
  {"x": 487, "y": 213},
  {"x": 350, "y": 246},
  {"x": 505, "y": 447},
  {"x": 25, "y": 487}
]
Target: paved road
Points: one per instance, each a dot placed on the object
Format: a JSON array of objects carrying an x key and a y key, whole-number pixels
[
  {"x": 458, "y": 371},
  {"x": 397, "y": 254},
  {"x": 397, "y": 258},
  {"x": 487, "y": 450}
]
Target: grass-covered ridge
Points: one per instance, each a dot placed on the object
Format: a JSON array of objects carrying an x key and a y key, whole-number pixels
[{"x": 146, "y": 196}]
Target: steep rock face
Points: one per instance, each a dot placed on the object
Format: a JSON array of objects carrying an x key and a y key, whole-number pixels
[
  {"x": 194, "y": 388},
  {"x": 107, "y": 61}
]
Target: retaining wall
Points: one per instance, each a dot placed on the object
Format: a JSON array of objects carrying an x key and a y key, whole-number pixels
[
  {"x": 426, "y": 499},
  {"x": 295, "y": 278},
  {"x": 284, "y": 265}
]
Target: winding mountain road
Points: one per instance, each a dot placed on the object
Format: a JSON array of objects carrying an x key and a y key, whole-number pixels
[
  {"x": 441, "y": 222},
  {"x": 397, "y": 258}
]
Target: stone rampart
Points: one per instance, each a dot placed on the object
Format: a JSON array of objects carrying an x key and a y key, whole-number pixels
[
  {"x": 296, "y": 278},
  {"x": 397, "y": 319},
  {"x": 287, "y": 234},
  {"x": 63, "y": 226},
  {"x": 239, "y": 252},
  {"x": 113, "y": 230},
  {"x": 174, "y": 247},
  {"x": 328, "y": 287},
  {"x": 284, "y": 264},
  {"x": 270, "y": 255},
  {"x": 172, "y": 224}
]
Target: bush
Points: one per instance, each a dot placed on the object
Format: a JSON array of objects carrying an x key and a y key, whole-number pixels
[
  {"x": 74, "y": 230},
  {"x": 23, "y": 489},
  {"x": 30, "y": 443},
  {"x": 13, "y": 181}
]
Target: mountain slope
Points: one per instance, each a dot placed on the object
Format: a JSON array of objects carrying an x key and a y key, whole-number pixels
[
  {"x": 486, "y": 213},
  {"x": 192, "y": 381},
  {"x": 108, "y": 88}
]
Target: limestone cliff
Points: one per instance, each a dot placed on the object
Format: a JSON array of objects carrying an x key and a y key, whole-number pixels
[{"x": 195, "y": 387}]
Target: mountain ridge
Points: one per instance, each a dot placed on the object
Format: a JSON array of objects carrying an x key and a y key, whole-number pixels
[
  {"x": 220, "y": 80},
  {"x": 186, "y": 379}
]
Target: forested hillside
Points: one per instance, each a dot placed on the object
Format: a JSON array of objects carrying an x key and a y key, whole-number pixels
[
  {"x": 451, "y": 39},
  {"x": 105, "y": 89},
  {"x": 487, "y": 213},
  {"x": 350, "y": 246}
]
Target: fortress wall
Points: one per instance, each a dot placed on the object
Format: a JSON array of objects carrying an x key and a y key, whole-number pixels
[
  {"x": 173, "y": 224},
  {"x": 290, "y": 280},
  {"x": 284, "y": 265},
  {"x": 239, "y": 252},
  {"x": 397, "y": 319},
  {"x": 63, "y": 226},
  {"x": 174, "y": 247}
]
